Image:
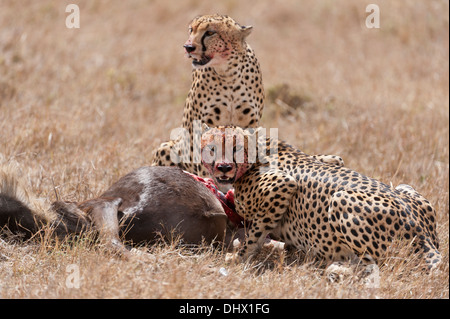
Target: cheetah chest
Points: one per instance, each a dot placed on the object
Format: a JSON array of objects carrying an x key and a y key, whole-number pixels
[{"x": 228, "y": 106}]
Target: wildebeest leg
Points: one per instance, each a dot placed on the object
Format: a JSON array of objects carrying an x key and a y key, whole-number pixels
[{"x": 104, "y": 217}]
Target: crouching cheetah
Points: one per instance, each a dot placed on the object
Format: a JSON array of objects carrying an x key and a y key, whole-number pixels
[{"x": 327, "y": 210}]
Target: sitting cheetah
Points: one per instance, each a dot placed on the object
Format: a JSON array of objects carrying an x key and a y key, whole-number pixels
[
  {"x": 327, "y": 210},
  {"x": 226, "y": 88}
]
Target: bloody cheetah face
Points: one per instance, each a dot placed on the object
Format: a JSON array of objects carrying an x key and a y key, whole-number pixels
[
  {"x": 213, "y": 39},
  {"x": 225, "y": 153}
]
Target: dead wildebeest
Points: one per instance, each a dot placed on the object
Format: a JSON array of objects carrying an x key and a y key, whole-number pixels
[{"x": 144, "y": 205}]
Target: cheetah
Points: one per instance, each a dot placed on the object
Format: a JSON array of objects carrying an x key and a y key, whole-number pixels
[
  {"x": 226, "y": 89},
  {"x": 327, "y": 210},
  {"x": 226, "y": 86}
]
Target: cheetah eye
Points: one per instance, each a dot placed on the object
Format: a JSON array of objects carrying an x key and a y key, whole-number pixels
[
  {"x": 209, "y": 153},
  {"x": 210, "y": 33},
  {"x": 211, "y": 149},
  {"x": 190, "y": 30}
]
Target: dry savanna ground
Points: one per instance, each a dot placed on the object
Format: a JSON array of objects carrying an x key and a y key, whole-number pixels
[{"x": 81, "y": 107}]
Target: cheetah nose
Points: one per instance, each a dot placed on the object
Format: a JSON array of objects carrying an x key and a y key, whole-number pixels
[
  {"x": 224, "y": 168},
  {"x": 189, "y": 48}
]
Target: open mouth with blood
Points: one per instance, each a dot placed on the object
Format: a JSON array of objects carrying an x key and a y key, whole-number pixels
[
  {"x": 202, "y": 61},
  {"x": 225, "y": 179},
  {"x": 225, "y": 173}
]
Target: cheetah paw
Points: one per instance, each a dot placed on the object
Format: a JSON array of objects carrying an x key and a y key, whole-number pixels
[{"x": 337, "y": 272}]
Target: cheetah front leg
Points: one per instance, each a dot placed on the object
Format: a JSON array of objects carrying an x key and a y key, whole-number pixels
[
  {"x": 162, "y": 155},
  {"x": 171, "y": 154},
  {"x": 271, "y": 206}
]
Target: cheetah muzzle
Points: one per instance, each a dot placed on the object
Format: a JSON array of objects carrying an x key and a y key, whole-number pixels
[{"x": 200, "y": 62}]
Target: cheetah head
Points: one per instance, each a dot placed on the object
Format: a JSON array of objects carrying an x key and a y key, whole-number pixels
[
  {"x": 224, "y": 151},
  {"x": 213, "y": 39}
]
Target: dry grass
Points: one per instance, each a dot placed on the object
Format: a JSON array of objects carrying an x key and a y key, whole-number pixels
[{"x": 81, "y": 107}]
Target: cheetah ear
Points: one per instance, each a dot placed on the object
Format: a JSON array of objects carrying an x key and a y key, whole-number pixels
[{"x": 246, "y": 30}]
